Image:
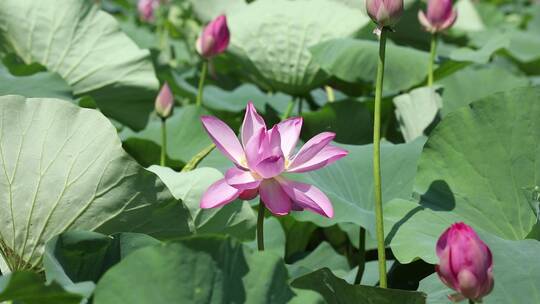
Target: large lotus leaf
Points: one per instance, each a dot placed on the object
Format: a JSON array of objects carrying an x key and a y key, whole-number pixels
[
  {"x": 476, "y": 167},
  {"x": 516, "y": 269},
  {"x": 355, "y": 60},
  {"x": 272, "y": 38},
  {"x": 85, "y": 46},
  {"x": 349, "y": 182},
  {"x": 197, "y": 270},
  {"x": 335, "y": 290},
  {"x": 470, "y": 84},
  {"x": 236, "y": 218},
  {"x": 63, "y": 168},
  {"x": 29, "y": 288}
]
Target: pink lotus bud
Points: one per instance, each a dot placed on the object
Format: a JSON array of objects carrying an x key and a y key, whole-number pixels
[
  {"x": 385, "y": 13},
  {"x": 465, "y": 263},
  {"x": 164, "y": 101},
  {"x": 440, "y": 16},
  {"x": 146, "y": 9},
  {"x": 214, "y": 39}
]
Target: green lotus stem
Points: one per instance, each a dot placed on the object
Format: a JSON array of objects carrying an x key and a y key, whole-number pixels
[
  {"x": 361, "y": 256},
  {"x": 330, "y": 94},
  {"x": 471, "y": 301},
  {"x": 289, "y": 109},
  {"x": 433, "y": 52},
  {"x": 262, "y": 208},
  {"x": 260, "y": 226},
  {"x": 377, "y": 160},
  {"x": 163, "y": 142},
  {"x": 201, "y": 83}
]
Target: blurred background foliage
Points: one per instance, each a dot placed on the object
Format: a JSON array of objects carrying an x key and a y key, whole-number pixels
[{"x": 322, "y": 54}]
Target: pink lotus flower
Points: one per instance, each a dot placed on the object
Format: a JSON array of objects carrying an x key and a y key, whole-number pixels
[
  {"x": 385, "y": 13},
  {"x": 440, "y": 16},
  {"x": 465, "y": 264},
  {"x": 214, "y": 39},
  {"x": 164, "y": 101},
  {"x": 146, "y": 9},
  {"x": 260, "y": 160}
]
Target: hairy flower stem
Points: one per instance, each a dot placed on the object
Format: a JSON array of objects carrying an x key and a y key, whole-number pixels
[
  {"x": 201, "y": 82},
  {"x": 361, "y": 256},
  {"x": 163, "y": 142},
  {"x": 433, "y": 52},
  {"x": 377, "y": 160},
  {"x": 260, "y": 226},
  {"x": 471, "y": 301}
]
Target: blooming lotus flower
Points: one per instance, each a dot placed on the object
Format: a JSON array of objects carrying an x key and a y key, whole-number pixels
[
  {"x": 214, "y": 39},
  {"x": 385, "y": 13},
  {"x": 465, "y": 264},
  {"x": 146, "y": 9},
  {"x": 261, "y": 159},
  {"x": 164, "y": 101},
  {"x": 440, "y": 16}
]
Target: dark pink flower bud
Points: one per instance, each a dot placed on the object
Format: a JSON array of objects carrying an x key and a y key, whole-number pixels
[
  {"x": 146, "y": 9},
  {"x": 465, "y": 263},
  {"x": 385, "y": 13},
  {"x": 441, "y": 15},
  {"x": 214, "y": 39},
  {"x": 164, "y": 101}
]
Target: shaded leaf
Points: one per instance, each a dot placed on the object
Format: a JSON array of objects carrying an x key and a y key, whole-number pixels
[
  {"x": 323, "y": 256},
  {"x": 355, "y": 61},
  {"x": 197, "y": 270},
  {"x": 337, "y": 117},
  {"x": 42, "y": 84},
  {"x": 28, "y": 288},
  {"x": 336, "y": 290}
]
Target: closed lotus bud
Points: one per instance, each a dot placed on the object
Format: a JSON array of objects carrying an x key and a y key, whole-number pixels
[
  {"x": 385, "y": 13},
  {"x": 441, "y": 15},
  {"x": 146, "y": 9},
  {"x": 465, "y": 263},
  {"x": 164, "y": 102},
  {"x": 214, "y": 39}
]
